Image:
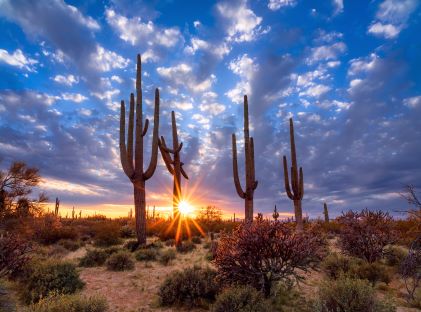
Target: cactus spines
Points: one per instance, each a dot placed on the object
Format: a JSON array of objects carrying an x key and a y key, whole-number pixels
[
  {"x": 57, "y": 207},
  {"x": 251, "y": 183},
  {"x": 173, "y": 164},
  {"x": 297, "y": 182},
  {"x": 134, "y": 170},
  {"x": 326, "y": 212},
  {"x": 275, "y": 214}
]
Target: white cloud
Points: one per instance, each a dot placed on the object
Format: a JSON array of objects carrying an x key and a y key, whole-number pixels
[
  {"x": 18, "y": 59},
  {"x": 387, "y": 31},
  {"x": 242, "y": 22},
  {"x": 326, "y": 52},
  {"x": 315, "y": 91},
  {"x": 106, "y": 60},
  {"x": 68, "y": 80},
  {"x": 74, "y": 97},
  {"x": 212, "y": 108},
  {"x": 362, "y": 65},
  {"x": 413, "y": 102},
  {"x": 275, "y": 5},
  {"x": 133, "y": 30},
  {"x": 87, "y": 21},
  {"x": 116, "y": 79},
  {"x": 244, "y": 67},
  {"x": 196, "y": 44},
  {"x": 183, "y": 105},
  {"x": 107, "y": 95},
  {"x": 339, "y": 6}
]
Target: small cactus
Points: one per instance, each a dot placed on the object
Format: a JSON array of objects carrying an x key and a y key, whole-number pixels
[
  {"x": 57, "y": 207},
  {"x": 326, "y": 212},
  {"x": 275, "y": 214}
]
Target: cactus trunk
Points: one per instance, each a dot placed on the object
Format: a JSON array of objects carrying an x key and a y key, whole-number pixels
[
  {"x": 298, "y": 215},
  {"x": 134, "y": 169},
  {"x": 326, "y": 212},
  {"x": 251, "y": 183}
]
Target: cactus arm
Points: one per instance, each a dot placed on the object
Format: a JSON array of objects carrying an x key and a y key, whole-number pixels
[
  {"x": 128, "y": 170},
  {"x": 286, "y": 179},
  {"x": 130, "y": 132},
  {"x": 145, "y": 128},
  {"x": 173, "y": 151},
  {"x": 154, "y": 156},
  {"x": 165, "y": 156},
  {"x": 301, "y": 189},
  {"x": 183, "y": 172},
  {"x": 237, "y": 183}
]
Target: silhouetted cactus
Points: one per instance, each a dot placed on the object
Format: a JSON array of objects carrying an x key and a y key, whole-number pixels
[
  {"x": 251, "y": 183},
  {"x": 134, "y": 171},
  {"x": 57, "y": 207},
  {"x": 297, "y": 182},
  {"x": 326, "y": 213},
  {"x": 275, "y": 214},
  {"x": 73, "y": 212},
  {"x": 174, "y": 164}
]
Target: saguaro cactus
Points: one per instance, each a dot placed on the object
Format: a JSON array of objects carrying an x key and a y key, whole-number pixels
[
  {"x": 174, "y": 164},
  {"x": 297, "y": 182},
  {"x": 251, "y": 183},
  {"x": 134, "y": 171},
  {"x": 73, "y": 212},
  {"x": 326, "y": 213},
  {"x": 57, "y": 207},
  {"x": 275, "y": 214}
]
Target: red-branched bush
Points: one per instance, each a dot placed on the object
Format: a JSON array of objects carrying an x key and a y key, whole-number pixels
[
  {"x": 410, "y": 269},
  {"x": 365, "y": 234},
  {"x": 14, "y": 253},
  {"x": 263, "y": 252}
]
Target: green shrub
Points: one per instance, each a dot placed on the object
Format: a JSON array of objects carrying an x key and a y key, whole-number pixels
[
  {"x": 349, "y": 295},
  {"x": 107, "y": 234},
  {"x": 70, "y": 303},
  {"x": 193, "y": 287},
  {"x": 155, "y": 245},
  {"x": 69, "y": 244},
  {"x": 196, "y": 240},
  {"x": 240, "y": 299},
  {"x": 287, "y": 299},
  {"x": 146, "y": 255},
  {"x": 51, "y": 276},
  {"x": 93, "y": 257},
  {"x": 373, "y": 272},
  {"x": 120, "y": 261},
  {"x": 335, "y": 265},
  {"x": 166, "y": 256},
  {"x": 126, "y": 232},
  {"x": 185, "y": 247},
  {"x": 131, "y": 245},
  {"x": 394, "y": 255},
  {"x": 112, "y": 250}
]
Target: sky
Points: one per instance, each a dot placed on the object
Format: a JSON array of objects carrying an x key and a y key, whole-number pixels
[{"x": 347, "y": 72}]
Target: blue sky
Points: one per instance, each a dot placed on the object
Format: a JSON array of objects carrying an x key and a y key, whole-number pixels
[{"x": 346, "y": 71}]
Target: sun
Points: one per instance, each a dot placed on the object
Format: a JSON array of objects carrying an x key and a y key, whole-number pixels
[{"x": 185, "y": 208}]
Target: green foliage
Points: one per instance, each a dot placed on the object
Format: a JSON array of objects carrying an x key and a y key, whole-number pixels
[
  {"x": 373, "y": 272},
  {"x": 335, "y": 265},
  {"x": 416, "y": 302},
  {"x": 112, "y": 250},
  {"x": 69, "y": 303},
  {"x": 49, "y": 230},
  {"x": 349, "y": 295},
  {"x": 185, "y": 247},
  {"x": 132, "y": 245},
  {"x": 240, "y": 299},
  {"x": 146, "y": 255},
  {"x": 93, "y": 257},
  {"x": 394, "y": 255},
  {"x": 120, "y": 261},
  {"x": 107, "y": 234},
  {"x": 68, "y": 244},
  {"x": 287, "y": 299},
  {"x": 126, "y": 231},
  {"x": 166, "y": 256},
  {"x": 51, "y": 276},
  {"x": 193, "y": 287}
]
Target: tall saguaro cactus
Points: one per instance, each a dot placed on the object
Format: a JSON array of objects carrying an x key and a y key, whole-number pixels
[
  {"x": 174, "y": 164},
  {"x": 134, "y": 170},
  {"x": 56, "y": 207},
  {"x": 297, "y": 182},
  {"x": 326, "y": 212},
  {"x": 251, "y": 183}
]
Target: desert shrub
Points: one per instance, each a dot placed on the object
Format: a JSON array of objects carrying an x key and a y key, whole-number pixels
[
  {"x": 69, "y": 303},
  {"x": 196, "y": 240},
  {"x": 394, "y": 255},
  {"x": 185, "y": 247},
  {"x": 14, "y": 254},
  {"x": 373, "y": 272},
  {"x": 170, "y": 242},
  {"x": 240, "y": 299},
  {"x": 68, "y": 244},
  {"x": 166, "y": 256},
  {"x": 335, "y": 265},
  {"x": 126, "y": 232},
  {"x": 262, "y": 253},
  {"x": 107, "y": 234},
  {"x": 288, "y": 299},
  {"x": 410, "y": 270},
  {"x": 349, "y": 295},
  {"x": 366, "y": 234},
  {"x": 120, "y": 261},
  {"x": 93, "y": 257},
  {"x": 112, "y": 250},
  {"x": 193, "y": 287},
  {"x": 132, "y": 245},
  {"x": 51, "y": 276},
  {"x": 49, "y": 230},
  {"x": 146, "y": 255},
  {"x": 207, "y": 245},
  {"x": 155, "y": 245}
]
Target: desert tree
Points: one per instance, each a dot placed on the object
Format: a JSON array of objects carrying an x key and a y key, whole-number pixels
[
  {"x": 410, "y": 269},
  {"x": 14, "y": 253}
]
